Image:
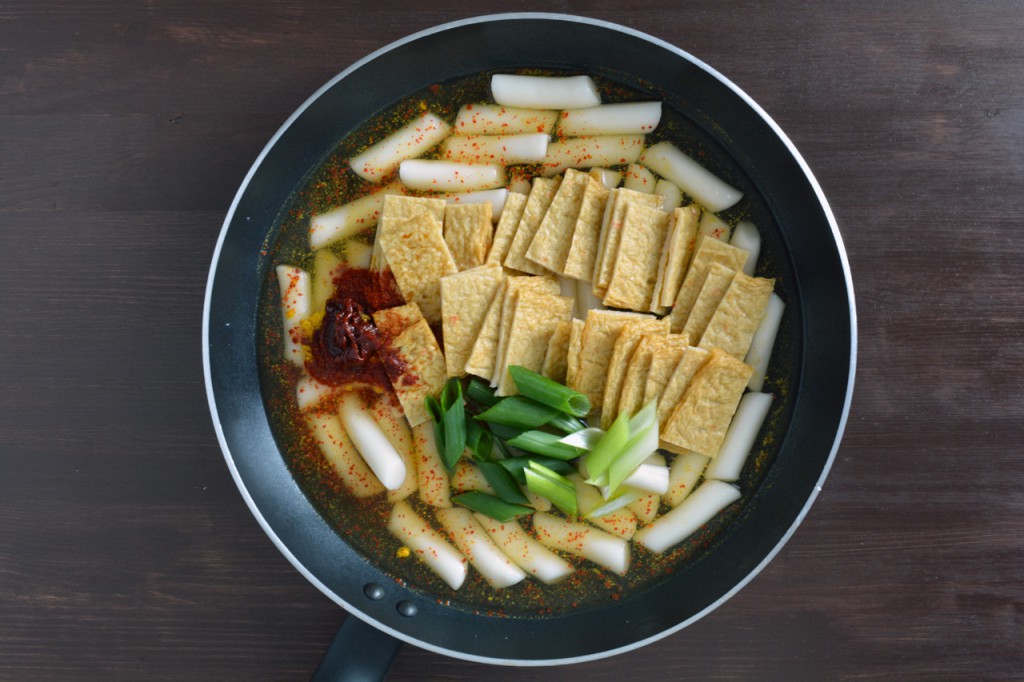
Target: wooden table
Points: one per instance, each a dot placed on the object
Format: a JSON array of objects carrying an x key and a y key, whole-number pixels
[{"x": 126, "y": 551}]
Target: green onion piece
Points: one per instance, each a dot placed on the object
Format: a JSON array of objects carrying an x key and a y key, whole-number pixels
[
  {"x": 607, "y": 449},
  {"x": 519, "y": 412},
  {"x": 453, "y": 422},
  {"x": 615, "y": 504},
  {"x": 480, "y": 441},
  {"x": 585, "y": 439},
  {"x": 503, "y": 483},
  {"x": 491, "y": 506},
  {"x": 542, "y": 481},
  {"x": 566, "y": 423},
  {"x": 504, "y": 433},
  {"x": 643, "y": 442},
  {"x": 549, "y": 392},
  {"x": 543, "y": 443},
  {"x": 516, "y": 465},
  {"x": 480, "y": 393}
]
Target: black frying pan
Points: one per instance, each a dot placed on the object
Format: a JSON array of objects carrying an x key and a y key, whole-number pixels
[{"x": 802, "y": 243}]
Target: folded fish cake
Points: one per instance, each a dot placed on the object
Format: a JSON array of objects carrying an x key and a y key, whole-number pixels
[
  {"x": 700, "y": 420},
  {"x": 635, "y": 270},
  {"x": 622, "y": 351},
  {"x": 412, "y": 359},
  {"x": 708, "y": 251},
  {"x": 675, "y": 258},
  {"x": 735, "y": 320},
  {"x": 542, "y": 192},
  {"x": 508, "y": 304},
  {"x": 632, "y": 396},
  {"x": 505, "y": 231},
  {"x": 468, "y": 232},
  {"x": 556, "y": 359},
  {"x": 550, "y": 245},
  {"x": 611, "y": 228},
  {"x": 586, "y": 234},
  {"x": 716, "y": 283},
  {"x": 536, "y": 315},
  {"x": 418, "y": 256},
  {"x": 465, "y": 299},
  {"x": 665, "y": 356},
  {"x": 597, "y": 343}
]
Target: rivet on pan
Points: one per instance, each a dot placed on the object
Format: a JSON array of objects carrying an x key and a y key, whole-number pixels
[
  {"x": 406, "y": 608},
  {"x": 374, "y": 591}
]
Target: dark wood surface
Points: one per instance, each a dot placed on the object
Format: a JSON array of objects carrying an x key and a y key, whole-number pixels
[{"x": 126, "y": 551}]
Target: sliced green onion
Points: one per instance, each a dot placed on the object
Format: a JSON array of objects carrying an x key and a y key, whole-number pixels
[
  {"x": 480, "y": 393},
  {"x": 567, "y": 423},
  {"x": 491, "y": 506},
  {"x": 480, "y": 441},
  {"x": 549, "y": 392},
  {"x": 642, "y": 443},
  {"x": 453, "y": 422},
  {"x": 503, "y": 483},
  {"x": 585, "y": 439},
  {"x": 503, "y": 432},
  {"x": 607, "y": 449},
  {"x": 543, "y": 443},
  {"x": 519, "y": 412},
  {"x": 542, "y": 481},
  {"x": 516, "y": 465}
]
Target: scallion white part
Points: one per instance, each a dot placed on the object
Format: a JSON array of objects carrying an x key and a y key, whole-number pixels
[
  {"x": 430, "y": 175},
  {"x": 671, "y": 195},
  {"x": 296, "y": 297},
  {"x": 495, "y": 197},
  {"x": 472, "y": 540},
  {"x": 683, "y": 521},
  {"x": 739, "y": 438},
  {"x": 611, "y": 119},
  {"x": 544, "y": 92},
  {"x": 584, "y": 438},
  {"x": 427, "y": 545},
  {"x": 746, "y": 237},
  {"x": 373, "y": 444},
  {"x": 763, "y": 342},
  {"x": 584, "y": 541},
  {"x": 504, "y": 150},
  {"x": 348, "y": 219},
  {"x": 411, "y": 140},
  {"x": 649, "y": 478},
  {"x": 531, "y": 556},
  {"x": 668, "y": 161}
]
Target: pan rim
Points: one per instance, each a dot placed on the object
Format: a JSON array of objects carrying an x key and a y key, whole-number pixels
[{"x": 282, "y": 546}]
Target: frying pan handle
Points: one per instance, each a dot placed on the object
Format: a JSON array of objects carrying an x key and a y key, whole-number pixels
[{"x": 358, "y": 653}]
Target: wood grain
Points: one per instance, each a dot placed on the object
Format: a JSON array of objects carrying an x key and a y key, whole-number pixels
[{"x": 126, "y": 551}]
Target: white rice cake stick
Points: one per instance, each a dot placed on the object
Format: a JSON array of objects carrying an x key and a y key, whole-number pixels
[
  {"x": 761, "y": 345},
  {"x": 428, "y": 545},
  {"x": 739, "y": 439},
  {"x": 329, "y": 435},
  {"x": 686, "y": 519},
  {"x": 472, "y": 540},
  {"x": 587, "y": 152},
  {"x": 717, "y": 282},
  {"x": 685, "y": 369},
  {"x": 419, "y": 258},
  {"x": 579, "y": 539},
  {"x": 586, "y": 234},
  {"x": 550, "y": 245},
  {"x": 671, "y": 195},
  {"x": 390, "y": 417},
  {"x": 326, "y": 266},
  {"x": 296, "y": 296},
  {"x": 736, "y": 318},
  {"x": 531, "y": 556},
  {"x": 349, "y": 219},
  {"x": 433, "y": 175},
  {"x": 625, "y": 345},
  {"x": 611, "y": 230},
  {"x": 408, "y": 142},
  {"x": 431, "y": 475},
  {"x": 310, "y": 393},
  {"x": 606, "y": 176},
  {"x": 358, "y": 254},
  {"x": 675, "y": 256},
  {"x": 746, "y": 237},
  {"x": 495, "y": 119},
  {"x": 665, "y": 159},
  {"x": 597, "y": 343},
  {"x": 634, "y": 270},
  {"x": 468, "y": 233},
  {"x": 714, "y": 227},
  {"x": 495, "y": 197},
  {"x": 465, "y": 298},
  {"x": 708, "y": 251},
  {"x": 511, "y": 214},
  {"x": 700, "y": 420},
  {"x": 535, "y": 316},
  {"x": 639, "y": 179},
  {"x": 683, "y": 474},
  {"x": 611, "y": 119},
  {"x": 373, "y": 445},
  {"x": 541, "y": 195},
  {"x": 468, "y": 477},
  {"x": 503, "y": 150},
  {"x": 544, "y": 92},
  {"x": 646, "y": 508},
  {"x": 649, "y": 478}
]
